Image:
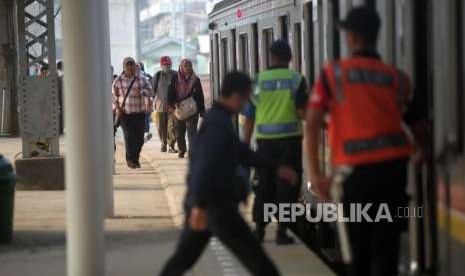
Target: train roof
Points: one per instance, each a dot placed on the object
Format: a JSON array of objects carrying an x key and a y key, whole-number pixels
[{"x": 224, "y": 4}]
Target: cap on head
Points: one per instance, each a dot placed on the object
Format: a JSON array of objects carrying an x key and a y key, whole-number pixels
[
  {"x": 364, "y": 21},
  {"x": 128, "y": 60},
  {"x": 281, "y": 49},
  {"x": 165, "y": 60}
]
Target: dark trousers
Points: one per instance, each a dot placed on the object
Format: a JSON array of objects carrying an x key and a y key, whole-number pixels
[
  {"x": 189, "y": 125},
  {"x": 375, "y": 245},
  {"x": 133, "y": 128},
  {"x": 270, "y": 189},
  {"x": 224, "y": 222},
  {"x": 166, "y": 129},
  {"x": 147, "y": 122}
]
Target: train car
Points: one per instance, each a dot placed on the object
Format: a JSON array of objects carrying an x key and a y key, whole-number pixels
[{"x": 423, "y": 38}]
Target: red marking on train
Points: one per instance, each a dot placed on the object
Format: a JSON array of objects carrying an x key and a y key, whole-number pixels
[{"x": 239, "y": 13}]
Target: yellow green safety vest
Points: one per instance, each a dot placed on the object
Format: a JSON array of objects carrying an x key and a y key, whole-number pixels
[{"x": 275, "y": 109}]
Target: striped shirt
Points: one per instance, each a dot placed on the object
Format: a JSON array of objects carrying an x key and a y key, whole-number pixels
[{"x": 139, "y": 96}]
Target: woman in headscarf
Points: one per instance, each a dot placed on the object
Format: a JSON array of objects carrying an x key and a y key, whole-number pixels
[{"x": 184, "y": 85}]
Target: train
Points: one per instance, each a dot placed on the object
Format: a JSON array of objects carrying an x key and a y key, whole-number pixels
[{"x": 425, "y": 39}]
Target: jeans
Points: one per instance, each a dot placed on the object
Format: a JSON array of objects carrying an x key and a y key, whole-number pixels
[{"x": 167, "y": 129}]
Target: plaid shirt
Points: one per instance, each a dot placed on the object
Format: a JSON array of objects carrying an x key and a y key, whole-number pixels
[{"x": 139, "y": 96}]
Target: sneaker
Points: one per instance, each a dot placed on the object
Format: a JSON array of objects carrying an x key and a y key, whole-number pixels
[
  {"x": 284, "y": 239},
  {"x": 148, "y": 137},
  {"x": 163, "y": 148},
  {"x": 173, "y": 150}
]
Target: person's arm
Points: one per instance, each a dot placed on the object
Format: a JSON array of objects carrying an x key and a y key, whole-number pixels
[
  {"x": 147, "y": 90},
  {"x": 249, "y": 124},
  {"x": 301, "y": 98},
  {"x": 198, "y": 96},
  {"x": 115, "y": 95},
  {"x": 318, "y": 105},
  {"x": 155, "y": 83},
  {"x": 250, "y": 158}
]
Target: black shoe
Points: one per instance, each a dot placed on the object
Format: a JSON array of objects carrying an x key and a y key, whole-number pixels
[
  {"x": 259, "y": 234},
  {"x": 163, "y": 148},
  {"x": 181, "y": 154},
  {"x": 137, "y": 164},
  {"x": 284, "y": 239},
  {"x": 173, "y": 150},
  {"x": 148, "y": 137},
  {"x": 131, "y": 164}
]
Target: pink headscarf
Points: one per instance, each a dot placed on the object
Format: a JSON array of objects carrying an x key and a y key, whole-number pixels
[{"x": 185, "y": 83}]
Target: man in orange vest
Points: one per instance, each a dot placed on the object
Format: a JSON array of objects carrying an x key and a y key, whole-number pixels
[{"x": 366, "y": 100}]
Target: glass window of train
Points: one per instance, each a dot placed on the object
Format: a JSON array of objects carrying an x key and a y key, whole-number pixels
[
  {"x": 234, "y": 52},
  {"x": 224, "y": 54},
  {"x": 309, "y": 46},
  {"x": 284, "y": 27},
  {"x": 298, "y": 47},
  {"x": 268, "y": 40},
  {"x": 244, "y": 55},
  {"x": 255, "y": 47}
]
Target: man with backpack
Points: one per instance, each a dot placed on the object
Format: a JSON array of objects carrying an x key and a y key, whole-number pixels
[{"x": 161, "y": 83}]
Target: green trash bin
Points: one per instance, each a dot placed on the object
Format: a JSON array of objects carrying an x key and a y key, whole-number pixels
[{"x": 7, "y": 197}]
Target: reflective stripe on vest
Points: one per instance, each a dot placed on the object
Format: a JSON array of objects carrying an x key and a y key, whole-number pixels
[
  {"x": 272, "y": 129},
  {"x": 380, "y": 142},
  {"x": 366, "y": 76}
]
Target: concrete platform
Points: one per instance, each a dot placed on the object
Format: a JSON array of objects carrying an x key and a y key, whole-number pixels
[
  {"x": 141, "y": 236},
  {"x": 40, "y": 173}
]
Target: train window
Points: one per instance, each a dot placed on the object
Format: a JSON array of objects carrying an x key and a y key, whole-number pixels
[
  {"x": 268, "y": 40},
  {"x": 284, "y": 27},
  {"x": 234, "y": 53},
  {"x": 225, "y": 55},
  {"x": 244, "y": 49},
  {"x": 255, "y": 47},
  {"x": 298, "y": 47}
]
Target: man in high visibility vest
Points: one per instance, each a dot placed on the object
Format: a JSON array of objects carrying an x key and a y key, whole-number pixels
[
  {"x": 275, "y": 112},
  {"x": 366, "y": 100}
]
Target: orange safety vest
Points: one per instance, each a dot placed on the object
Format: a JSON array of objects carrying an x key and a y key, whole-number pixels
[{"x": 366, "y": 104}]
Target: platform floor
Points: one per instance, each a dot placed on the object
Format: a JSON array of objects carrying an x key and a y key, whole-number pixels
[{"x": 139, "y": 238}]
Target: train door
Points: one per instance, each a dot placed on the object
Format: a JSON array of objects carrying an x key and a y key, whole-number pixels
[
  {"x": 448, "y": 36},
  {"x": 405, "y": 42},
  {"x": 243, "y": 55}
]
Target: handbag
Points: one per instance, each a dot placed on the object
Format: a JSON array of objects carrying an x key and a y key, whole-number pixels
[
  {"x": 118, "y": 117},
  {"x": 186, "y": 108}
]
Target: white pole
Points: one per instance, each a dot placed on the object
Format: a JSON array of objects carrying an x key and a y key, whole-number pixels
[
  {"x": 86, "y": 166},
  {"x": 106, "y": 108}
]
